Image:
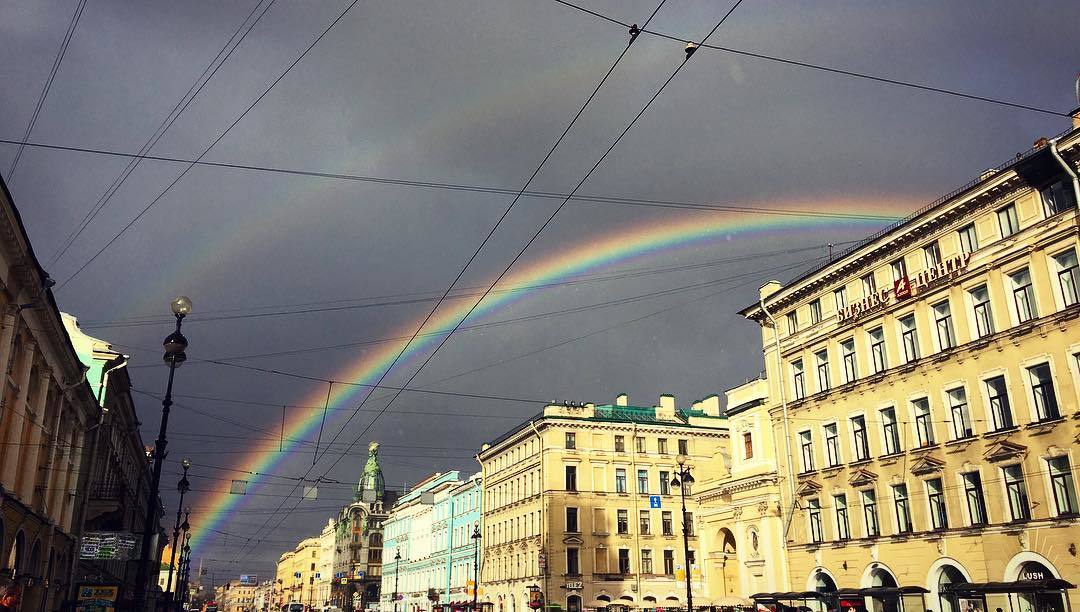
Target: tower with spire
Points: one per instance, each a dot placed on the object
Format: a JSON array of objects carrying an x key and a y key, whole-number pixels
[{"x": 372, "y": 485}]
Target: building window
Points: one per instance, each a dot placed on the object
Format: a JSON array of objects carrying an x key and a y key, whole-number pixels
[
  {"x": 890, "y": 429},
  {"x": 669, "y": 562},
  {"x": 931, "y": 254},
  {"x": 571, "y": 440},
  {"x": 1058, "y": 198},
  {"x": 973, "y": 493},
  {"x": 665, "y": 484},
  {"x": 944, "y": 324},
  {"x": 832, "y": 445},
  {"x": 1061, "y": 482},
  {"x": 903, "y": 509},
  {"x": 622, "y": 521},
  {"x": 1016, "y": 492},
  {"x": 573, "y": 565},
  {"x": 859, "y": 441},
  {"x": 840, "y": 297},
  {"x": 1000, "y": 411},
  {"x": 643, "y": 481},
  {"x": 877, "y": 349},
  {"x": 847, "y": 352},
  {"x": 624, "y": 561},
  {"x": 814, "y": 515},
  {"x": 571, "y": 478},
  {"x": 959, "y": 414},
  {"x": 969, "y": 243},
  {"x": 620, "y": 444},
  {"x": 870, "y": 516},
  {"x": 644, "y": 522},
  {"x": 620, "y": 480},
  {"x": 909, "y": 336},
  {"x": 684, "y": 447},
  {"x": 935, "y": 493},
  {"x": 984, "y": 320},
  {"x": 661, "y": 446},
  {"x": 899, "y": 269},
  {"x": 815, "y": 312},
  {"x": 1007, "y": 220},
  {"x": 748, "y": 445},
  {"x": 1023, "y": 295},
  {"x": 639, "y": 445},
  {"x": 806, "y": 442},
  {"x": 798, "y": 380},
  {"x": 792, "y": 322},
  {"x": 924, "y": 426},
  {"x": 822, "y": 358},
  {"x": 1042, "y": 391},
  {"x": 843, "y": 530},
  {"x": 869, "y": 286},
  {"x": 572, "y": 520},
  {"x": 646, "y": 561},
  {"x": 1068, "y": 276},
  {"x": 665, "y": 523}
]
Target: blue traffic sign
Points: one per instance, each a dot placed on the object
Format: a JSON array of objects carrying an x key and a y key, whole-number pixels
[{"x": 654, "y": 501}]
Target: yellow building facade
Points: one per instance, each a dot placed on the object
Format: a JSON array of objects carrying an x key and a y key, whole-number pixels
[
  {"x": 922, "y": 391},
  {"x": 578, "y": 504}
]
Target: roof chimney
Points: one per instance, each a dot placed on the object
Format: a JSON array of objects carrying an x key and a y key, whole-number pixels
[
  {"x": 622, "y": 399},
  {"x": 711, "y": 405}
]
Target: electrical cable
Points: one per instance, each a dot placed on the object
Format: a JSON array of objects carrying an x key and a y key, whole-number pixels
[
  {"x": 491, "y": 232},
  {"x": 207, "y": 150},
  {"x": 591, "y": 199},
  {"x": 849, "y": 73},
  {"x": 144, "y": 321},
  {"x": 166, "y": 123},
  {"x": 60, "y": 54}
]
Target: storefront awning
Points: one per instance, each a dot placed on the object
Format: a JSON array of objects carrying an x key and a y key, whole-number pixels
[{"x": 1016, "y": 586}]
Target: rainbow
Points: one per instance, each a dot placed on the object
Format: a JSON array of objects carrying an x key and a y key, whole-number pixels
[{"x": 638, "y": 242}]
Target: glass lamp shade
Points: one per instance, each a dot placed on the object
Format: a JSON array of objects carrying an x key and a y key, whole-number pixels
[
  {"x": 175, "y": 343},
  {"x": 181, "y": 305},
  {"x": 185, "y": 526},
  {"x": 687, "y": 478},
  {"x": 175, "y": 359},
  {"x": 186, "y": 463},
  {"x": 680, "y": 459}
]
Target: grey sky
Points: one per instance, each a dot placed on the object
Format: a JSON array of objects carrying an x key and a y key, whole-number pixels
[{"x": 475, "y": 92}]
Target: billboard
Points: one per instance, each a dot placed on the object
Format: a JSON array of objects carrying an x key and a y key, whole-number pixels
[
  {"x": 108, "y": 546},
  {"x": 249, "y": 580}
]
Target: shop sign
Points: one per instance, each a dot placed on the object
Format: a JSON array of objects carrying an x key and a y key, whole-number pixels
[
  {"x": 1034, "y": 575},
  {"x": 904, "y": 288},
  {"x": 574, "y": 584},
  {"x": 536, "y": 598},
  {"x": 97, "y": 598}
]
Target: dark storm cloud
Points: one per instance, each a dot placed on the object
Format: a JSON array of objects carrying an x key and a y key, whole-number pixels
[{"x": 476, "y": 92}]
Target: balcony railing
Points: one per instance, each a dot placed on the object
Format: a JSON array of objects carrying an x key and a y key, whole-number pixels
[{"x": 107, "y": 491}]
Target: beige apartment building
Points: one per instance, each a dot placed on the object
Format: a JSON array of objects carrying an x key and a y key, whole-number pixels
[
  {"x": 296, "y": 571},
  {"x": 569, "y": 505},
  {"x": 922, "y": 391}
]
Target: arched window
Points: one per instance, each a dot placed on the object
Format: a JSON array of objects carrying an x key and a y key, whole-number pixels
[{"x": 949, "y": 574}]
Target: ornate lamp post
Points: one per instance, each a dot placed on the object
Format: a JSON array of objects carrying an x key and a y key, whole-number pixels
[
  {"x": 183, "y": 486},
  {"x": 397, "y": 570},
  {"x": 476, "y": 568},
  {"x": 184, "y": 527},
  {"x": 681, "y": 479},
  {"x": 174, "y": 344},
  {"x": 185, "y": 562}
]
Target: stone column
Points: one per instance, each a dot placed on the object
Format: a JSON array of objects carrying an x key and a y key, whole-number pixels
[
  {"x": 36, "y": 424},
  {"x": 56, "y": 472},
  {"x": 12, "y": 465}
]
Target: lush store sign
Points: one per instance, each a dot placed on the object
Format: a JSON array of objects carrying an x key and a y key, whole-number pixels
[{"x": 904, "y": 288}]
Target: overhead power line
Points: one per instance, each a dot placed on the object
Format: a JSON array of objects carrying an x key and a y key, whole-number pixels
[
  {"x": 166, "y": 123},
  {"x": 212, "y": 144},
  {"x": 633, "y": 32},
  {"x": 823, "y": 68},
  {"x": 60, "y": 54},
  {"x": 594, "y": 199},
  {"x": 335, "y": 305}
]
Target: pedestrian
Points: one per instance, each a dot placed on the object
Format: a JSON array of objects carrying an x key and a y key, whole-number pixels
[{"x": 10, "y": 595}]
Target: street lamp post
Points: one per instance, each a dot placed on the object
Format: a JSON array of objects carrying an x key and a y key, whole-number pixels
[
  {"x": 397, "y": 570},
  {"x": 183, "y": 486},
  {"x": 174, "y": 345},
  {"x": 681, "y": 479},
  {"x": 476, "y": 567},
  {"x": 185, "y": 563}
]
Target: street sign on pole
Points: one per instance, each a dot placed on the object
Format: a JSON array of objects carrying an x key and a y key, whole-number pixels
[{"x": 654, "y": 501}]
